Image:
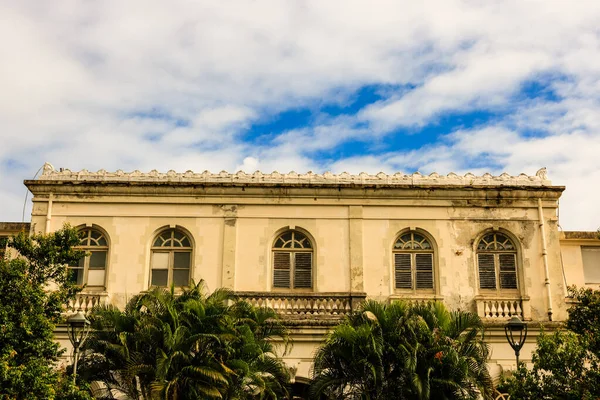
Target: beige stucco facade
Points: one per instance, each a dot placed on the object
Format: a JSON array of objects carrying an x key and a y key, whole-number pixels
[{"x": 352, "y": 222}]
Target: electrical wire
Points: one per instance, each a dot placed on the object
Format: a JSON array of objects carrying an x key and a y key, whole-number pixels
[{"x": 27, "y": 194}]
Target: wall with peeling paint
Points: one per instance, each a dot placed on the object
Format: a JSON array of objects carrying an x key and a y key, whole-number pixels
[{"x": 353, "y": 229}]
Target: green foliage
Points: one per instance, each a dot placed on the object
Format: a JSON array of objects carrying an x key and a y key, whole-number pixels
[
  {"x": 187, "y": 346},
  {"x": 566, "y": 364},
  {"x": 584, "y": 316},
  {"x": 404, "y": 351},
  {"x": 563, "y": 369},
  {"x": 28, "y": 313}
]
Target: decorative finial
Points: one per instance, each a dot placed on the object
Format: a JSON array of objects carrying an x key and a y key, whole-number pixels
[
  {"x": 542, "y": 173},
  {"x": 47, "y": 168}
]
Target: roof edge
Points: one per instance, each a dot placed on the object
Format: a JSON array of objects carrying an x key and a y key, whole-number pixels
[{"x": 540, "y": 179}]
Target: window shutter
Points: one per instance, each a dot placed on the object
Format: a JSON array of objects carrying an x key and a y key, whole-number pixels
[
  {"x": 402, "y": 271},
  {"x": 302, "y": 270},
  {"x": 508, "y": 271},
  {"x": 487, "y": 271},
  {"x": 424, "y": 264},
  {"x": 281, "y": 269}
]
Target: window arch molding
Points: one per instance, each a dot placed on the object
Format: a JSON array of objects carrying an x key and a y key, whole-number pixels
[
  {"x": 273, "y": 248},
  {"x": 170, "y": 265},
  {"x": 92, "y": 270},
  {"x": 414, "y": 290},
  {"x": 517, "y": 251}
]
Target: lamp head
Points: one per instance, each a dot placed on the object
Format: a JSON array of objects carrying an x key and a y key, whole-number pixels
[
  {"x": 515, "y": 324},
  {"x": 79, "y": 327},
  {"x": 516, "y": 333}
]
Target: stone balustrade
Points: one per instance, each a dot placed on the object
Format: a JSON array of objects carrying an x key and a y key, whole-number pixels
[
  {"x": 306, "y": 305},
  {"x": 85, "y": 302},
  {"x": 503, "y": 307}
]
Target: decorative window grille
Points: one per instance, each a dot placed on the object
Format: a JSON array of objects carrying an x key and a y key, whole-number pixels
[
  {"x": 91, "y": 269},
  {"x": 292, "y": 261},
  {"x": 413, "y": 262},
  {"x": 497, "y": 262},
  {"x": 171, "y": 259}
]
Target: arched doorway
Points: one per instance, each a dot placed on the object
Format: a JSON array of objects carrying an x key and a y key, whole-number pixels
[{"x": 300, "y": 389}]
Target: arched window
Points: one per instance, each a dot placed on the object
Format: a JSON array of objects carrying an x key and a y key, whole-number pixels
[
  {"x": 171, "y": 259},
  {"x": 497, "y": 262},
  {"x": 91, "y": 269},
  {"x": 413, "y": 262},
  {"x": 292, "y": 261}
]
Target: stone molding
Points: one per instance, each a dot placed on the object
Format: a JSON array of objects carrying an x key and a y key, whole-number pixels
[{"x": 363, "y": 179}]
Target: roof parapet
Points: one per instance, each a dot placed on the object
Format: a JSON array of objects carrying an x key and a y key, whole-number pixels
[{"x": 398, "y": 179}]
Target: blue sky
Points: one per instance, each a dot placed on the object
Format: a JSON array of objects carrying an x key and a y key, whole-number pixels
[{"x": 433, "y": 86}]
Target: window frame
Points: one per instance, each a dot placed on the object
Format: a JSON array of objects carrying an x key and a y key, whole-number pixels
[
  {"x": 413, "y": 252},
  {"x": 497, "y": 253},
  {"x": 293, "y": 251},
  {"x": 171, "y": 250},
  {"x": 89, "y": 249}
]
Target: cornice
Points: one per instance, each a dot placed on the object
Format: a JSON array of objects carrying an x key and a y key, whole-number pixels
[{"x": 540, "y": 179}]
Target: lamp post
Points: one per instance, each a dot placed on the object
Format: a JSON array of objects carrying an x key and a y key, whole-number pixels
[
  {"x": 513, "y": 328},
  {"x": 79, "y": 327}
]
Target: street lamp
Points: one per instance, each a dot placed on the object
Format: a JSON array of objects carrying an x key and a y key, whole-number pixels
[
  {"x": 79, "y": 327},
  {"x": 511, "y": 329}
]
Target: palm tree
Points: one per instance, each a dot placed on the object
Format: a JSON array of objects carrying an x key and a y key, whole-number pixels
[
  {"x": 403, "y": 351},
  {"x": 187, "y": 346}
]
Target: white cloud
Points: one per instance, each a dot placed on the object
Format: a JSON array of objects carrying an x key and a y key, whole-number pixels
[{"x": 175, "y": 85}]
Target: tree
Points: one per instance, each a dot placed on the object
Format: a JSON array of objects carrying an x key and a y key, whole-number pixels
[
  {"x": 29, "y": 312},
  {"x": 566, "y": 364},
  {"x": 186, "y": 346},
  {"x": 403, "y": 351}
]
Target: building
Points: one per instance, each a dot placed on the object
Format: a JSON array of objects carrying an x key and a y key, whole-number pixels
[
  {"x": 8, "y": 229},
  {"x": 313, "y": 246}
]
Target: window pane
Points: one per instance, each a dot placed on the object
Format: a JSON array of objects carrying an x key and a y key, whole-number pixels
[
  {"x": 181, "y": 277},
  {"x": 96, "y": 277},
  {"x": 403, "y": 273},
  {"x": 487, "y": 271},
  {"x": 186, "y": 242},
  {"x": 160, "y": 260},
  {"x": 591, "y": 264},
  {"x": 182, "y": 260},
  {"x": 98, "y": 260},
  {"x": 281, "y": 269},
  {"x": 76, "y": 276},
  {"x": 81, "y": 263},
  {"x": 102, "y": 241},
  {"x": 303, "y": 270},
  {"x": 159, "y": 277},
  {"x": 424, "y": 271},
  {"x": 508, "y": 271}
]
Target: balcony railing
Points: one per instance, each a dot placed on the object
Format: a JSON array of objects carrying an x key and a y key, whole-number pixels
[
  {"x": 306, "y": 305},
  {"x": 503, "y": 307},
  {"x": 85, "y": 302}
]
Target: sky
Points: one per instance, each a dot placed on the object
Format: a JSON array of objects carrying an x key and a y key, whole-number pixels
[{"x": 430, "y": 86}]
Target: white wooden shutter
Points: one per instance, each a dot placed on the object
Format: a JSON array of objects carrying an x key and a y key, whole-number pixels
[
  {"x": 402, "y": 271},
  {"x": 424, "y": 275},
  {"x": 302, "y": 270},
  {"x": 508, "y": 271},
  {"x": 281, "y": 269},
  {"x": 487, "y": 271}
]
